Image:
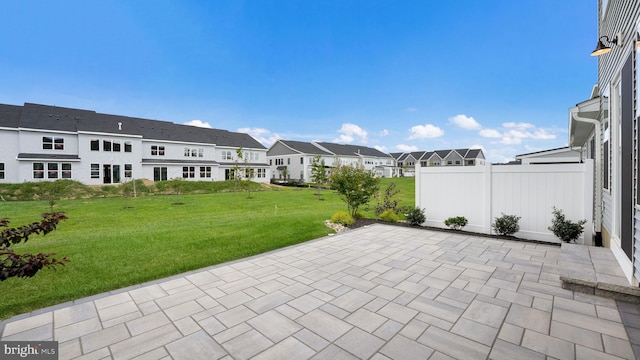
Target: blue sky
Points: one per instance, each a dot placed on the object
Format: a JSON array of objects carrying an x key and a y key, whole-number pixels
[{"x": 395, "y": 75}]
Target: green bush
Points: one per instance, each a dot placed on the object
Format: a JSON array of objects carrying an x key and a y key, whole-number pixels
[
  {"x": 456, "y": 223},
  {"x": 416, "y": 216},
  {"x": 342, "y": 217},
  {"x": 506, "y": 224},
  {"x": 389, "y": 216},
  {"x": 565, "y": 230}
]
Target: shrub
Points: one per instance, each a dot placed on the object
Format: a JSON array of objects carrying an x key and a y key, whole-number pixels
[
  {"x": 342, "y": 217},
  {"x": 389, "y": 216},
  {"x": 416, "y": 216},
  {"x": 565, "y": 230},
  {"x": 13, "y": 264},
  {"x": 456, "y": 223},
  {"x": 387, "y": 202},
  {"x": 506, "y": 224},
  {"x": 358, "y": 215}
]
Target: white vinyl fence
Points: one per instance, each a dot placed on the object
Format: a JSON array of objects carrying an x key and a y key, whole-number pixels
[{"x": 482, "y": 193}]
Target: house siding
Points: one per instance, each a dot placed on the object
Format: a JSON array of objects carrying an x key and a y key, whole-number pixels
[{"x": 621, "y": 16}]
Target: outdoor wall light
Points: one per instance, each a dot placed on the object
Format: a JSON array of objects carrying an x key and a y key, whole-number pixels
[{"x": 601, "y": 48}]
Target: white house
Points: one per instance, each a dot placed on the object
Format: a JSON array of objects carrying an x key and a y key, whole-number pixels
[
  {"x": 565, "y": 155},
  {"x": 605, "y": 127},
  {"x": 293, "y": 159},
  {"x": 45, "y": 143}
]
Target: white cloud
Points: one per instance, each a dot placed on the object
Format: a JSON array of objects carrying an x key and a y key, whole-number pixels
[
  {"x": 198, "y": 123},
  {"x": 519, "y": 125},
  {"x": 348, "y": 133},
  {"x": 406, "y": 148},
  {"x": 490, "y": 133},
  {"x": 427, "y": 131},
  {"x": 381, "y": 148},
  {"x": 465, "y": 122},
  {"x": 477, "y": 146},
  {"x": 384, "y": 132},
  {"x": 264, "y": 136}
]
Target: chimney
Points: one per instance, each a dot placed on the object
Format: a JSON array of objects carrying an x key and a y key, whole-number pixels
[{"x": 119, "y": 126}]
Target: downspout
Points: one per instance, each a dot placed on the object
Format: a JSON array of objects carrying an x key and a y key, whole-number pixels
[{"x": 598, "y": 180}]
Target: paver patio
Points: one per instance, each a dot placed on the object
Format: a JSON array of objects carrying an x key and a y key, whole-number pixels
[{"x": 379, "y": 292}]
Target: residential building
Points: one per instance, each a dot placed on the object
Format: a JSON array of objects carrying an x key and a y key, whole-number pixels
[
  {"x": 45, "y": 143},
  {"x": 605, "y": 127},
  {"x": 454, "y": 157},
  {"x": 564, "y": 155},
  {"x": 290, "y": 159}
]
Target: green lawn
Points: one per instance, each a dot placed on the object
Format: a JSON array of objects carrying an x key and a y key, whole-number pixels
[{"x": 117, "y": 242}]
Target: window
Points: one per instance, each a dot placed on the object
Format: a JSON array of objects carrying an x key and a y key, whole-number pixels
[
  {"x": 449, "y": 162},
  {"x": 262, "y": 173},
  {"x": 128, "y": 170},
  {"x": 116, "y": 146},
  {"x": 288, "y": 161},
  {"x": 38, "y": 170},
  {"x": 156, "y": 150},
  {"x": 127, "y": 146},
  {"x": 605, "y": 157},
  {"x": 188, "y": 172},
  {"x": 95, "y": 171},
  {"x": 302, "y": 161},
  {"x": 457, "y": 162},
  {"x": 106, "y": 145},
  {"x": 95, "y": 145},
  {"x": 49, "y": 143},
  {"x": 1, "y": 171},
  {"x": 200, "y": 152},
  {"x": 469, "y": 162},
  {"x": 226, "y": 155},
  {"x": 52, "y": 170},
  {"x": 205, "y": 171},
  {"x": 66, "y": 170},
  {"x": 159, "y": 173},
  {"x": 270, "y": 162}
]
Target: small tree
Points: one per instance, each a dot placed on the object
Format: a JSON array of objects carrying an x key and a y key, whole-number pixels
[
  {"x": 565, "y": 230},
  {"x": 26, "y": 265},
  {"x": 388, "y": 203},
  {"x": 177, "y": 185},
  {"x": 52, "y": 191},
  {"x": 318, "y": 174},
  {"x": 416, "y": 216},
  {"x": 355, "y": 184}
]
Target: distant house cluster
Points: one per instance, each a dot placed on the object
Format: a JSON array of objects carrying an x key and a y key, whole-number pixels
[
  {"x": 46, "y": 143},
  {"x": 406, "y": 162},
  {"x": 293, "y": 159}
]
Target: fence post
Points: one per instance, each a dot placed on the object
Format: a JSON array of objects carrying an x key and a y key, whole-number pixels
[
  {"x": 416, "y": 184},
  {"x": 488, "y": 198}
]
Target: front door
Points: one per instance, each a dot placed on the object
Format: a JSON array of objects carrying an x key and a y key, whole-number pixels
[{"x": 106, "y": 174}]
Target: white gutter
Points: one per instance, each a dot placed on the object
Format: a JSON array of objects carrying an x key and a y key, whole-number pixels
[{"x": 598, "y": 165}]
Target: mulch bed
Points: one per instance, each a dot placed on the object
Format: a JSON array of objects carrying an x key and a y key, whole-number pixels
[{"x": 360, "y": 222}]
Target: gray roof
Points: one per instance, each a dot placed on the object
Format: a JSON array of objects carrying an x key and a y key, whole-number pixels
[
  {"x": 474, "y": 153},
  {"x": 304, "y": 147},
  {"x": 57, "y": 118},
  {"x": 418, "y": 154},
  {"x": 352, "y": 150},
  {"x": 442, "y": 153},
  {"x": 396, "y": 155},
  {"x": 10, "y": 115}
]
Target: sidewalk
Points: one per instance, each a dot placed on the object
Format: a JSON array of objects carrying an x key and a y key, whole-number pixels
[{"x": 379, "y": 292}]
